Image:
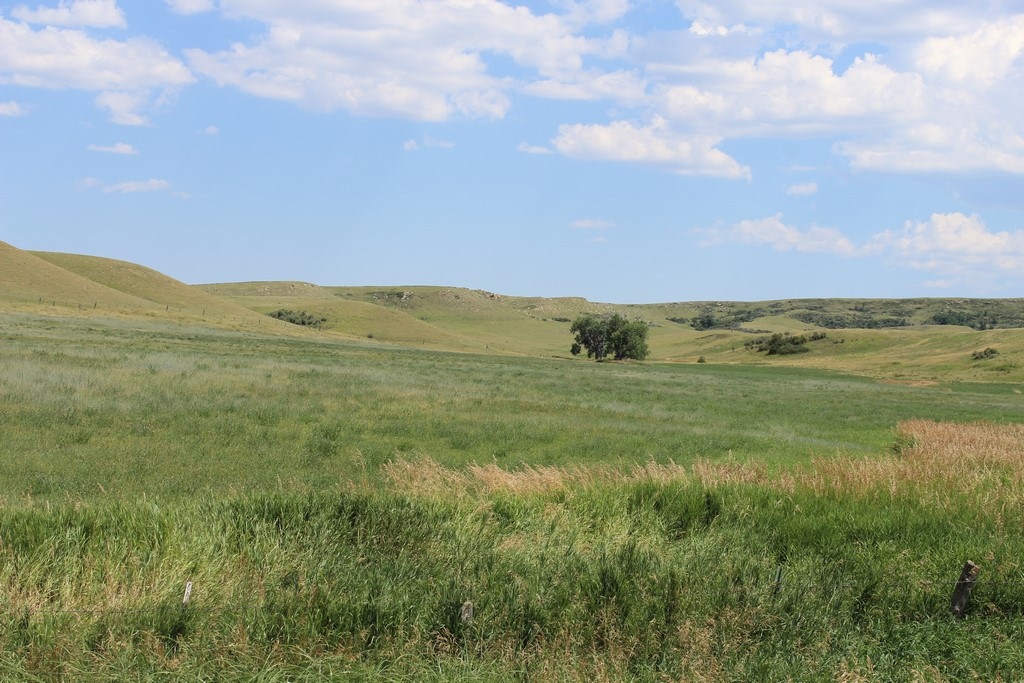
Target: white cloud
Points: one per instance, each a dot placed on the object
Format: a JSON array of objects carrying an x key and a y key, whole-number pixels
[
  {"x": 124, "y": 107},
  {"x": 953, "y": 243},
  {"x": 128, "y": 76},
  {"x": 791, "y": 92},
  {"x": 116, "y": 148},
  {"x": 94, "y": 13},
  {"x": 65, "y": 58},
  {"x": 959, "y": 249},
  {"x": 527, "y": 148},
  {"x": 12, "y": 109},
  {"x": 424, "y": 60},
  {"x": 978, "y": 59},
  {"x": 596, "y": 11},
  {"x": 427, "y": 141},
  {"x": 190, "y": 6},
  {"x": 839, "y": 21},
  {"x": 625, "y": 87},
  {"x": 591, "y": 224},
  {"x": 802, "y": 189},
  {"x": 945, "y": 95},
  {"x": 132, "y": 186},
  {"x": 653, "y": 144},
  {"x": 211, "y": 130},
  {"x": 773, "y": 232}
]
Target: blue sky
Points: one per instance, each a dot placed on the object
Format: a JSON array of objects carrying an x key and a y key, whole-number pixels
[{"x": 632, "y": 151}]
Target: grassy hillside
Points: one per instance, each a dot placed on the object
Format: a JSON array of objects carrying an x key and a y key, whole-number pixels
[
  {"x": 75, "y": 285},
  {"x": 145, "y": 283},
  {"x": 896, "y": 340},
  {"x": 461, "y": 319},
  {"x": 28, "y": 280}
]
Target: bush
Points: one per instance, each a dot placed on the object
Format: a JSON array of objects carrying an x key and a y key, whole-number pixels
[
  {"x": 784, "y": 344},
  {"x": 984, "y": 355},
  {"x": 298, "y": 317},
  {"x": 704, "y": 321}
]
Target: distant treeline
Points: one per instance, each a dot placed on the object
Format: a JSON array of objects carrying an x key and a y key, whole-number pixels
[
  {"x": 979, "y": 321},
  {"x": 980, "y": 314},
  {"x": 839, "y": 321},
  {"x": 721, "y": 320}
]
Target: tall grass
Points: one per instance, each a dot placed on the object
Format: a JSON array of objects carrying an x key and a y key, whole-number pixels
[{"x": 660, "y": 573}]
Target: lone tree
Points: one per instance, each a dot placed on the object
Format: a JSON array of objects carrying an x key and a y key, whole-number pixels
[{"x": 613, "y": 334}]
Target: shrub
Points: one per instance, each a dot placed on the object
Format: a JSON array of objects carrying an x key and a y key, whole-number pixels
[
  {"x": 298, "y": 317},
  {"x": 704, "y": 321},
  {"x": 784, "y": 344},
  {"x": 984, "y": 355}
]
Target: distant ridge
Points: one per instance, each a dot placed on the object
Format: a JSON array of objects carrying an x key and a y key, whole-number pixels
[{"x": 902, "y": 340}]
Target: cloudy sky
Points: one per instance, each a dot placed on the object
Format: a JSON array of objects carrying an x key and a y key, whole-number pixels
[{"x": 622, "y": 150}]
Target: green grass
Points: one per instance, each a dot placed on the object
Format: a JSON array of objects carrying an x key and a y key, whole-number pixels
[
  {"x": 161, "y": 410},
  {"x": 336, "y": 499},
  {"x": 636, "y": 580}
]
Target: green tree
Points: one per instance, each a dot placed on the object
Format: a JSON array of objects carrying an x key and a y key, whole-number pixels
[
  {"x": 591, "y": 334},
  {"x": 704, "y": 321},
  {"x": 603, "y": 335}
]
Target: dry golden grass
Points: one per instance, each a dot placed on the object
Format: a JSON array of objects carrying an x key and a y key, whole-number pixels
[
  {"x": 953, "y": 455},
  {"x": 964, "y": 456}
]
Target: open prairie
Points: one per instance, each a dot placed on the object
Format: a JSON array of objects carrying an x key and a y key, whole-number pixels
[{"x": 337, "y": 496}]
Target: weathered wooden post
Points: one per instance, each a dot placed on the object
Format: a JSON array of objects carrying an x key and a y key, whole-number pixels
[
  {"x": 466, "y": 613},
  {"x": 188, "y": 594},
  {"x": 962, "y": 592}
]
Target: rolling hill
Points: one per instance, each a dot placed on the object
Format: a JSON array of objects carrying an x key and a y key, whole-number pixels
[
  {"x": 72, "y": 284},
  {"x": 893, "y": 339}
]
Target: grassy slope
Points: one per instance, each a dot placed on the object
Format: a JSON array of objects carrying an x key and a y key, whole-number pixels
[
  {"x": 471, "y": 319},
  {"x": 29, "y": 280},
  {"x": 145, "y": 283}
]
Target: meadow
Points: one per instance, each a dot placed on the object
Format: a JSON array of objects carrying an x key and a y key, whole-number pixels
[{"x": 336, "y": 502}]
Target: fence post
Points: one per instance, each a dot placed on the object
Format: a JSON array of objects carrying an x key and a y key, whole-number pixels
[
  {"x": 188, "y": 594},
  {"x": 962, "y": 592}
]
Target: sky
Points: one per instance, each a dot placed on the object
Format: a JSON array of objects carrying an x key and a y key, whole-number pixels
[{"x": 626, "y": 151}]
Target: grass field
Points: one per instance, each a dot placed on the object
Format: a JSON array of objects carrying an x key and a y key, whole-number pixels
[
  {"x": 335, "y": 503},
  {"x": 336, "y": 499},
  {"x": 168, "y": 410}
]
